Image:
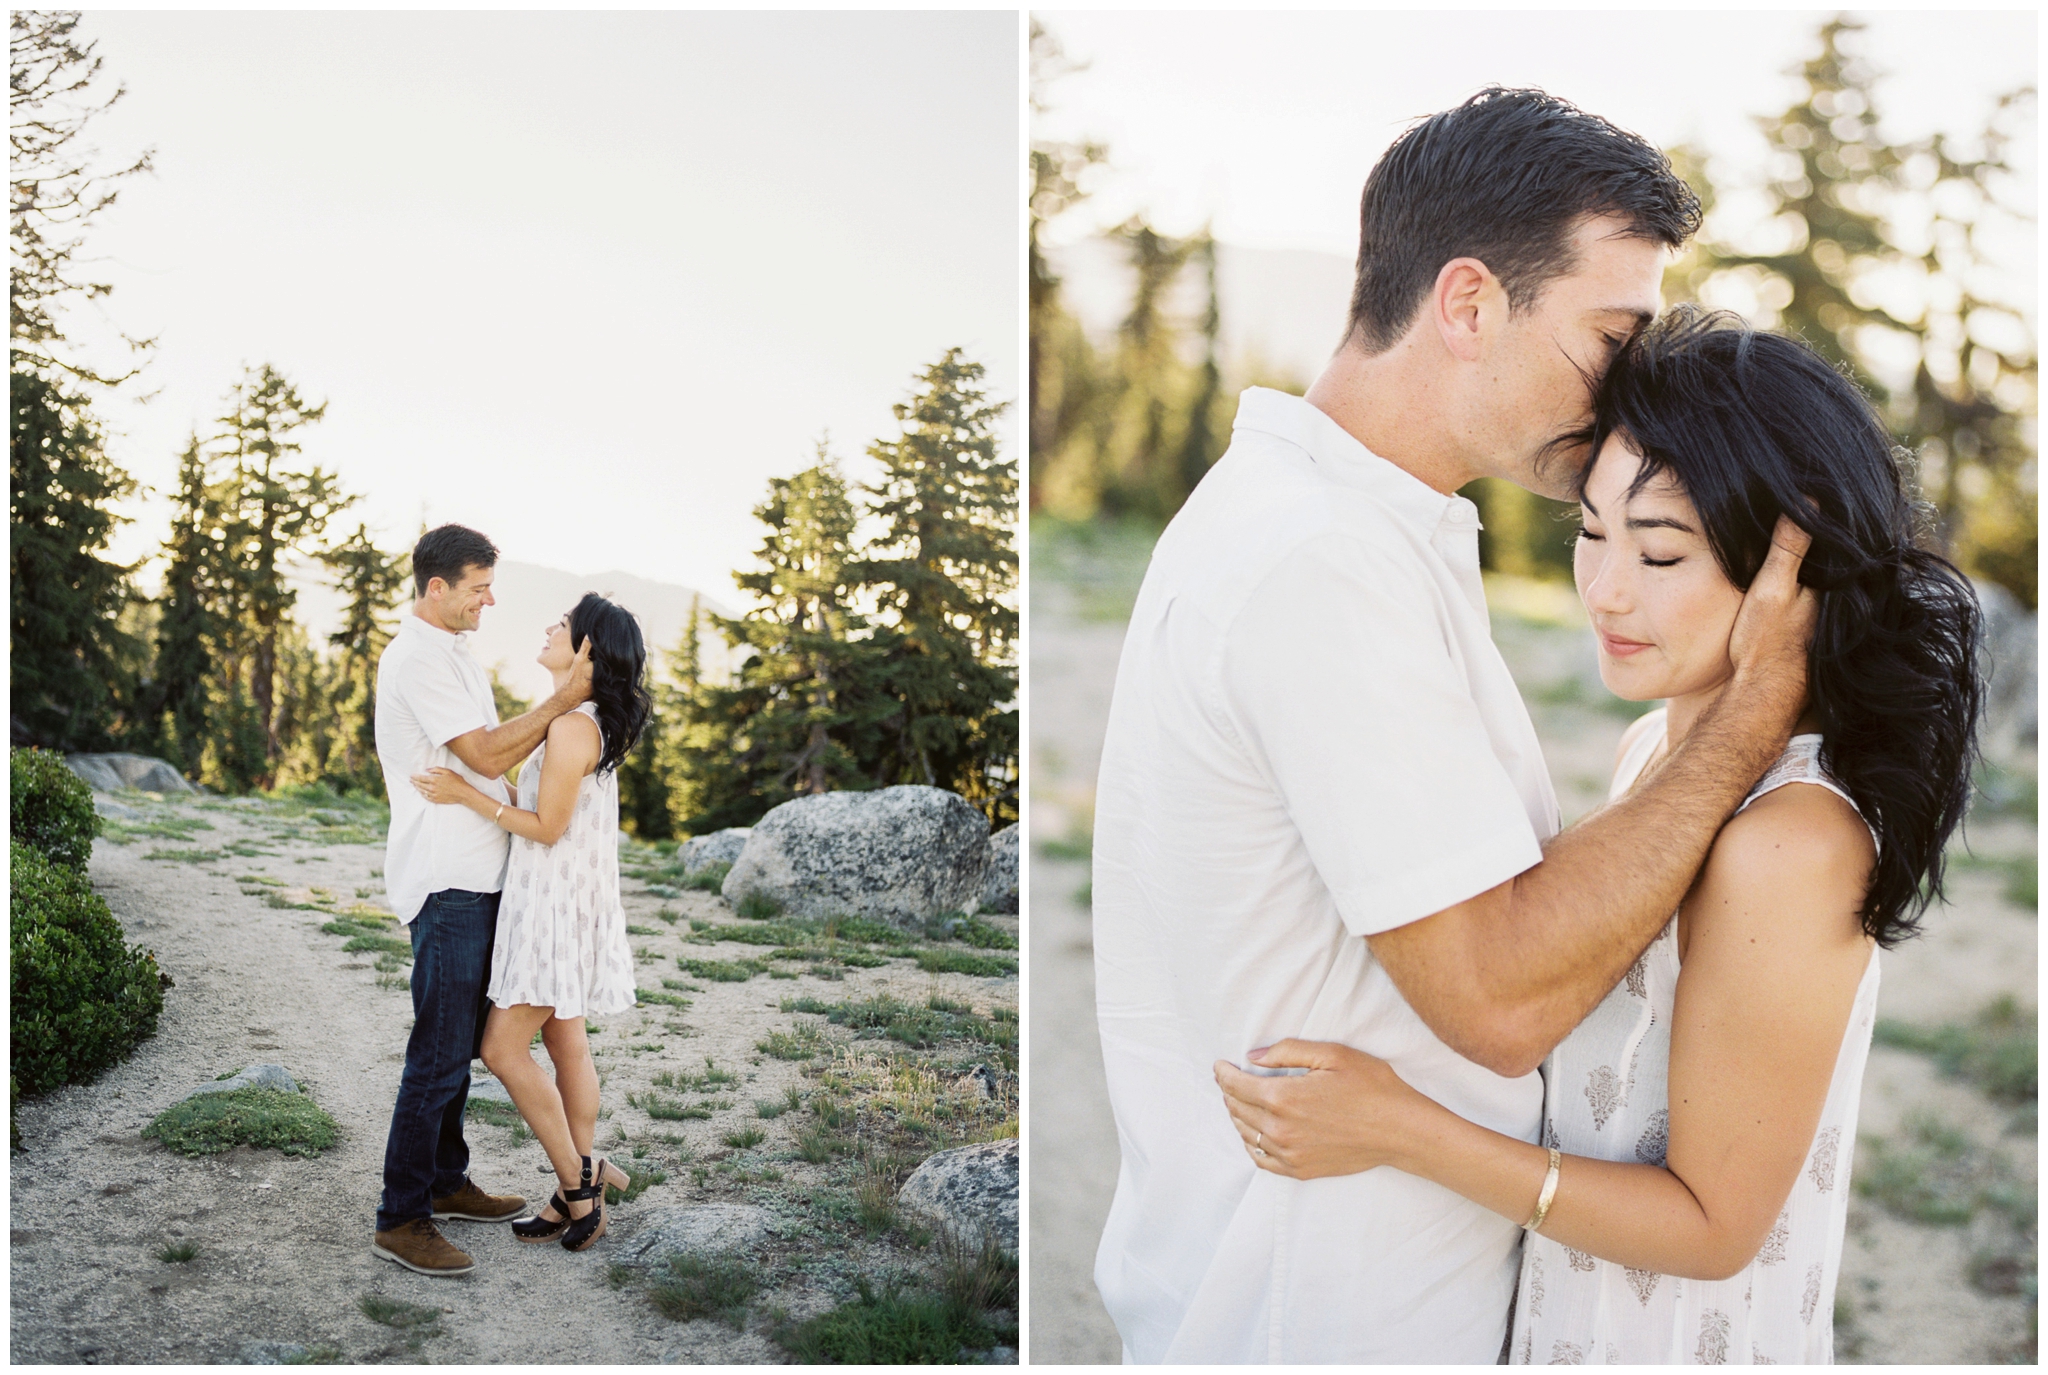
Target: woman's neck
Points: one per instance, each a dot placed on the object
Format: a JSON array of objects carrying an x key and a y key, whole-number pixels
[
  {"x": 1681, "y": 714},
  {"x": 561, "y": 677}
]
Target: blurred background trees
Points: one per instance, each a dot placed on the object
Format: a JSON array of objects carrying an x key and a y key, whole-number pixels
[{"x": 1884, "y": 256}]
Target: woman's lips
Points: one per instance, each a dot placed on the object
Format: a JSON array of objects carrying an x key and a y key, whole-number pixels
[{"x": 1620, "y": 648}]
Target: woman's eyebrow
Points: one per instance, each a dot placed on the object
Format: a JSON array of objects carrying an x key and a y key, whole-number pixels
[{"x": 1658, "y": 523}]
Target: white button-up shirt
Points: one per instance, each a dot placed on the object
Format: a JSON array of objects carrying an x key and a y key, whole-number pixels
[
  {"x": 429, "y": 690},
  {"x": 1313, "y": 739}
]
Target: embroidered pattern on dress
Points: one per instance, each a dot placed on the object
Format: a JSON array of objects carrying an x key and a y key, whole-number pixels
[
  {"x": 1713, "y": 1347},
  {"x": 1810, "y": 1300},
  {"x": 1643, "y": 1282},
  {"x": 1773, "y": 1250},
  {"x": 1656, "y": 1138},
  {"x": 1579, "y": 1260},
  {"x": 1822, "y": 1168},
  {"x": 1637, "y": 980},
  {"x": 1565, "y": 1353},
  {"x": 1603, "y": 1091},
  {"x": 1536, "y": 1285},
  {"x": 1757, "y": 1357}
]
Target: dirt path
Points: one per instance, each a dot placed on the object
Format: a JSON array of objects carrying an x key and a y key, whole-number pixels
[
  {"x": 284, "y": 1244},
  {"x": 1911, "y": 1290}
]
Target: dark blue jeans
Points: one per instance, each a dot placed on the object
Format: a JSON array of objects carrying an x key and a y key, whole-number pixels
[{"x": 426, "y": 1156}]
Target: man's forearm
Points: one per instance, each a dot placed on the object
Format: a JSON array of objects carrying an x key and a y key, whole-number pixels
[
  {"x": 497, "y": 748},
  {"x": 1505, "y": 976}
]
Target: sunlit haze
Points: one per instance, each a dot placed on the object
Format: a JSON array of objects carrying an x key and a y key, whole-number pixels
[{"x": 582, "y": 281}]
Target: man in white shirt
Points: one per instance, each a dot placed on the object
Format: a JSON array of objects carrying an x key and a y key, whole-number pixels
[
  {"x": 1322, "y": 810},
  {"x": 443, "y": 870}
]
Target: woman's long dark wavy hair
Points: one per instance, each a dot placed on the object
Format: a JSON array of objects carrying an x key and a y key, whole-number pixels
[
  {"x": 618, "y": 673},
  {"x": 1751, "y": 425}
]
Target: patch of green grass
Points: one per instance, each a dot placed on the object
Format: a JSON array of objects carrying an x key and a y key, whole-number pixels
[
  {"x": 177, "y": 1252},
  {"x": 960, "y": 962},
  {"x": 398, "y": 1313},
  {"x": 383, "y": 945},
  {"x": 918, "y": 1027},
  {"x": 1998, "y": 1051},
  {"x": 692, "y": 1287},
  {"x": 800, "y": 1043},
  {"x": 666, "y": 1109},
  {"x": 757, "y": 906},
  {"x": 709, "y": 879},
  {"x": 1932, "y": 1174},
  {"x": 187, "y": 856},
  {"x": 772, "y": 1108},
  {"x": 680, "y": 987},
  {"x": 633, "y": 930},
  {"x": 874, "y": 1194},
  {"x": 976, "y": 1275},
  {"x": 491, "y": 1111},
  {"x": 891, "y": 1328},
  {"x": 983, "y": 936},
  {"x": 1075, "y": 848},
  {"x": 321, "y": 1353},
  {"x": 357, "y": 926},
  {"x": 648, "y": 1177},
  {"x": 722, "y": 971},
  {"x": 820, "y": 1144},
  {"x": 667, "y": 914},
  {"x": 650, "y": 995},
  {"x": 169, "y": 826},
  {"x": 215, "y": 1122},
  {"x": 745, "y": 1139}
]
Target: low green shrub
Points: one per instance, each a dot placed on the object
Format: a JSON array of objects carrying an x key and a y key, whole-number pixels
[
  {"x": 699, "y": 1287},
  {"x": 758, "y": 906},
  {"x": 891, "y": 1328},
  {"x": 82, "y": 996},
  {"x": 216, "y": 1122},
  {"x": 961, "y": 962},
  {"x": 709, "y": 879},
  {"x": 50, "y": 807}
]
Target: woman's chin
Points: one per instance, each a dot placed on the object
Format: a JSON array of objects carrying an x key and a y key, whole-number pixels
[{"x": 1629, "y": 687}]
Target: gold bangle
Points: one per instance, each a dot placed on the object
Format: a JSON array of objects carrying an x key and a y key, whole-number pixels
[
  {"x": 1549, "y": 1192},
  {"x": 499, "y": 814}
]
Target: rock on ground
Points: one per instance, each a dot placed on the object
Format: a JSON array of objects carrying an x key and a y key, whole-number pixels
[
  {"x": 255, "y": 1077},
  {"x": 691, "y": 1229},
  {"x": 720, "y": 847},
  {"x": 901, "y": 854},
  {"x": 972, "y": 1189},
  {"x": 999, "y": 887},
  {"x": 112, "y": 773}
]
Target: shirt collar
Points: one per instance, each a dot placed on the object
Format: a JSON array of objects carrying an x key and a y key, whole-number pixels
[
  {"x": 414, "y": 624},
  {"x": 1340, "y": 458}
]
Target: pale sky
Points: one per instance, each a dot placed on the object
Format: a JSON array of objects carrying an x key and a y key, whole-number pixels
[
  {"x": 582, "y": 281},
  {"x": 1266, "y": 125}
]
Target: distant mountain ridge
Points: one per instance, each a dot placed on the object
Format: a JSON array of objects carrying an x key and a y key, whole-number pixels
[{"x": 530, "y": 596}]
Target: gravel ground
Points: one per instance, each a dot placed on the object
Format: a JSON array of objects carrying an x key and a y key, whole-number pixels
[{"x": 284, "y": 1243}]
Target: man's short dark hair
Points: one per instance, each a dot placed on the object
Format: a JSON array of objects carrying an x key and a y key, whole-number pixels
[
  {"x": 1507, "y": 178},
  {"x": 445, "y": 551}
]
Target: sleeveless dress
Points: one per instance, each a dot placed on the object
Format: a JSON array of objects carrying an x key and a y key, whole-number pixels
[
  {"x": 1605, "y": 1097},
  {"x": 561, "y": 939}
]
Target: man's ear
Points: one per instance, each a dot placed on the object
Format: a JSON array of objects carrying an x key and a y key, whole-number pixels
[{"x": 1463, "y": 304}]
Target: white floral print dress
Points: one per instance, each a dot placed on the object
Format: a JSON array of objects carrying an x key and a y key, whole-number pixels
[
  {"x": 561, "y": 939},
  {"x": 1605, "y": 1097}
]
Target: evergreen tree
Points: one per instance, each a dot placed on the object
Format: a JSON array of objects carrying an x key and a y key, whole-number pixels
[
  {"x": 374, "y": 584},
  {"x": 274, "y": 510},
  {"x": 794, "y": 717},
  {"x": 70, "y": 658},
  {"x": 1847, "y": 209},
  {"x": 941, "y": 574},
  {"x": 189, "y": 626}
]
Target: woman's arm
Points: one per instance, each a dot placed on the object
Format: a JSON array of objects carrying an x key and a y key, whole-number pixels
[
  {"x": 1775, "y": 957},
  {"x": 573, "y": 748}
]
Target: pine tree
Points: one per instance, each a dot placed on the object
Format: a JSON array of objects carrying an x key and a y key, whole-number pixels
[
  {"x": 189, "y": 627},
  {"x": 274, "y": 510},
  {"x": 1835, "y": 192},
  {"x": 70, "y": 659},
  {"x": 375, "y": 584},
  {"x": 941, "y": 574}
]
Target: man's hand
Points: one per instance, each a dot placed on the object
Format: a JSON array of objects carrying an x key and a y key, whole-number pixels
[
  {"x": 1774, "y": 627},
  {"x": 1345, "y": 1115},
  {"x": 577, "y": 690}
]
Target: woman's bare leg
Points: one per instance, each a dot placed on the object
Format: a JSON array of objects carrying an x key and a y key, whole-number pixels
[
  {"x": 575, "y": 1078},
  {"x": 507, "y": 1035}
]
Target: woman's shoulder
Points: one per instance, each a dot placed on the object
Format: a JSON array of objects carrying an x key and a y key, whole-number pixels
[
  {"x": 575, "y": 730},
  {"x": 1800, "y": 846}
]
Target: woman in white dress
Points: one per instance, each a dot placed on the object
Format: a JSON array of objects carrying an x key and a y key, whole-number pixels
[
  {"x": 1688, "y": 1201},
  {"x": 560, "y": 952}
]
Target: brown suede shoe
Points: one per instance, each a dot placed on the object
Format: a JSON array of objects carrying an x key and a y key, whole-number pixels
[
  {"x": 474, "y": 1205},
  {"x": 418, "y": 1245}
]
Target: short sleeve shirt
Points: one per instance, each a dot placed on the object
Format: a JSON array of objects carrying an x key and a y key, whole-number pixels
[
  {"x": 429, "y": 690},
  {"x": 1312, "y": 740}
]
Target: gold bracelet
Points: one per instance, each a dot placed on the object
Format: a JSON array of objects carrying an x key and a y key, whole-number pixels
[
  {"x": 499, "y": 814},
  {"x": 1549, "y": 1192}
]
